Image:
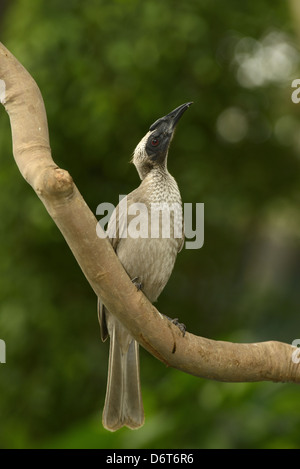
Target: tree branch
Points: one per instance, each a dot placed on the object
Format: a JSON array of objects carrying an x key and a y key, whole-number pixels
[{"x": 223, "y": 361}]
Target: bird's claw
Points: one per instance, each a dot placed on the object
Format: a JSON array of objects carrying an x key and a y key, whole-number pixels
[
  {"x": 137, "y": 283},
  {"x": 180, "y": 325}
]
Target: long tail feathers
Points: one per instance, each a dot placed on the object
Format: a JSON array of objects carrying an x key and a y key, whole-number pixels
[{"x": 123, "y": 402}]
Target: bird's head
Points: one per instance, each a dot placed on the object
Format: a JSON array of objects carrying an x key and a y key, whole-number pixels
[{"x": 152, "y": 151}]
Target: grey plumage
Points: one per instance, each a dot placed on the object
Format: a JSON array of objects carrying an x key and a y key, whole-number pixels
[{"x": 148, "y": 260}]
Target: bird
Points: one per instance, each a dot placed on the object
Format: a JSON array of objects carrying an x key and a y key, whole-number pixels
[{"x": 148, "y": 261}]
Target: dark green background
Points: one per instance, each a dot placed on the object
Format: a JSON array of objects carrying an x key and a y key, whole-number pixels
[{"x": 107, "y": 70}]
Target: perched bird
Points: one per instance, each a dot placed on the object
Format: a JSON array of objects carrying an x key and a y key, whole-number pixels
[{"x": 148, "y": 260}]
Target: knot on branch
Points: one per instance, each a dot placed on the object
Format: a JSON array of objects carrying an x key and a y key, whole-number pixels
[{"x": 57, "y": 183}]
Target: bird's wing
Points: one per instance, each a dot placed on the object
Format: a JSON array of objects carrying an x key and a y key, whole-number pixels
[
  {"x": 102, "y": 320},
  {"x": 116, "y": 227},
  {"x": 181, "y": 243},
  {"x": 118, "y": 222}
]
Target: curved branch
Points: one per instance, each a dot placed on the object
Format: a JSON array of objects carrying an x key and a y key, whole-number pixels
[{"x": 198, "y": 356}]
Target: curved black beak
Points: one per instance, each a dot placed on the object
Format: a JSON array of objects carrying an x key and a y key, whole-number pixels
[{"x": 171, "y": 119}]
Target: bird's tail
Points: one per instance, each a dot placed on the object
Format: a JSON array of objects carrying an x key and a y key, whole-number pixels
[{"x": 123, "y": 402}]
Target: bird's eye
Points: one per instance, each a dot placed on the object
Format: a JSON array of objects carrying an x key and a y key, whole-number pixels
[{"x": 154, "y": 142}]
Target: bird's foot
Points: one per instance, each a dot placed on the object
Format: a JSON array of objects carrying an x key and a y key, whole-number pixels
[
  {"x": 180, "y": 325},
  {"x": 137, "y": 283}
]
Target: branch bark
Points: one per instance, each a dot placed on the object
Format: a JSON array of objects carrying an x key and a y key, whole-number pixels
[{"x": 223, "y": 361}]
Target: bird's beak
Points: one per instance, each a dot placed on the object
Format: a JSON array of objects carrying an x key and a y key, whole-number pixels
[{"x": 170, "y": 120}]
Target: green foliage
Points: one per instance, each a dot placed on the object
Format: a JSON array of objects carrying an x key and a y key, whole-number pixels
[{"x": 106, "y": 71}]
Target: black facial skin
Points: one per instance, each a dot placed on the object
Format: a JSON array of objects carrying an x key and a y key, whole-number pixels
[
  {"x": 162, "y": 132},
  {"x": 158, "y": 143}
]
